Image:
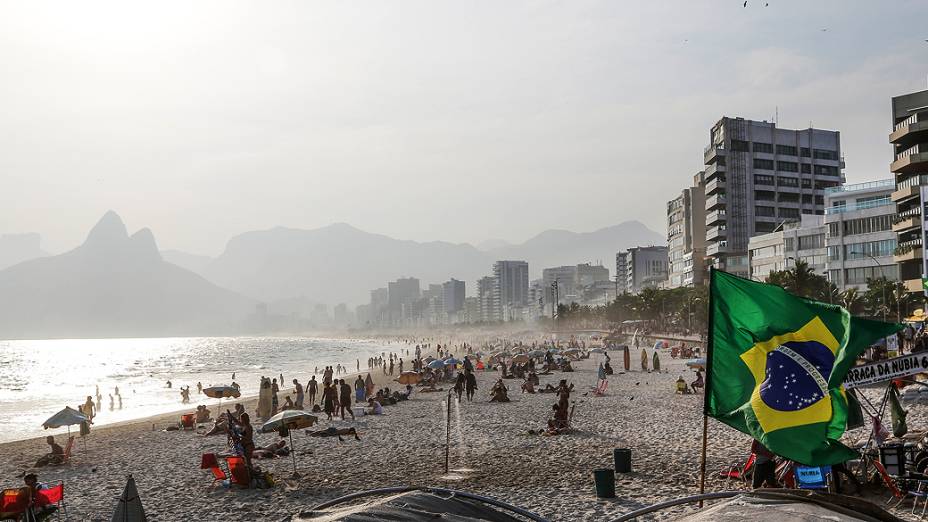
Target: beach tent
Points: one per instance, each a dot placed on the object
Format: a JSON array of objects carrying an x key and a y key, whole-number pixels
[{"x": 129, "y": 506}]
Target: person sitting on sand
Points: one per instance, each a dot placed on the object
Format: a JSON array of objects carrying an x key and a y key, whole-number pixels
[
  {"x": 202, "y": 414},
  {"x": 499, "y": 392},
  {"x": 40, "y": 509},
  {"x": 559, "y": 423},
  {"x": 566, "y": 367},
  {"x": 288, "y": 404},
  {"x": 528, "y": 387},
  {"x": 374, "y": 407},
  {"x": 698, "y": 383},
  {"x": 54, "y": 456}
]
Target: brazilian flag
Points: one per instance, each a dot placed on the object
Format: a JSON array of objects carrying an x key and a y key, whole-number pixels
[{"x": 776, "y": 364}]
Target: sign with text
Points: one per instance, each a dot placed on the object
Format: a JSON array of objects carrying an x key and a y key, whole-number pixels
[{"x": 883, "y": 371}]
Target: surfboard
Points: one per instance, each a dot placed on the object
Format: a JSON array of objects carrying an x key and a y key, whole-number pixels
[
  {"x": 627, "y": 359},
  {"x": 656, "y": 365},
  {"x": 644, "y": 359}
]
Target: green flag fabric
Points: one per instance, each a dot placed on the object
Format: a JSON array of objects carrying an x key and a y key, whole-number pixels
[
  {"x": 896, "y": 412},
  {"x": 776, "y": 364}
]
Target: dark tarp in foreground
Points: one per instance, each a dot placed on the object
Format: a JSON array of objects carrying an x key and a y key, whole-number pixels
[
  {"x": 791, "y": 506},
  {"x": 414, "y": 506}
]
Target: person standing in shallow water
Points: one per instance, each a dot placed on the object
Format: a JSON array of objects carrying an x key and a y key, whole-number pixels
[{"x": 312, "y": 386}]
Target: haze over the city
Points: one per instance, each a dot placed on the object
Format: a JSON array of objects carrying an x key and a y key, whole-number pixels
[{"x": 457, "y": 121}]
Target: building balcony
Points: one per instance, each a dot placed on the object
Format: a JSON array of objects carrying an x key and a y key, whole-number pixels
[
  {"x": 714, "y": 218},
  {"x": 715, "y": 233},
  {"x": 716, "y": 249},
  {"x": 913, "y": 285},
  {"x": 908, "y": 220},
  {"x": 907, "y": 254},
  {"x": 912, "y": 159},
  {"x": 714, "y": 171},
  {"x": 716, "y": 185},
  {"x": 712, "y": 153},
  {"x": 715, "y": 201},
  {"x": 913, "y": 127},
  {"x": 908, "y": 188}
]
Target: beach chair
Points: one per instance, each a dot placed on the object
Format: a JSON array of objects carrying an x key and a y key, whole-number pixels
[
  {"x": 186, "y": 422},
  {"x": 739, "y": 471},
  {"x": 14, "y": 503},
  {"x": 53, "y": 495},
  {"x": 238, "y": 471},
  {"x": 210, "y": 462},
  {"x": 67, "y": 450},
  {"x": 812, "y": 477}
]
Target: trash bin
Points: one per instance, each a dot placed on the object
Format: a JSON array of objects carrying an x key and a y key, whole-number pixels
[
  {"x": 623, "y": 460},
  {"x": 605, "y": 482}
]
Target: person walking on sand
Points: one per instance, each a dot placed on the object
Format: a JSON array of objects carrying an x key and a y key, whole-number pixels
[
  {"x": 329, "y": 400},
  {"x": 470, "y": 384},
  {"x": 345, "y": 398},
  {"x": 369, "y": 386},
  {"x": 312, "y": 386},
  {"x": 89, "y": 410},
  {"x": 299, "y": 394},
  {"x": 359, "y": 389},
  {"x": 275, "y": 401}
]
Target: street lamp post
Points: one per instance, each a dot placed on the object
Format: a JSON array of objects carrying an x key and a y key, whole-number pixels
[{"x": 883, "y": 274}]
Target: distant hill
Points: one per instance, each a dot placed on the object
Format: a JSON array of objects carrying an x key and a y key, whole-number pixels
[
  {"x": 562, "y": 247},
  {"x": 340, "y": 263},
  {"x": 337, "y": 263},
  {"x": 16, "y": 248},
  {"x": 193, "y": 262},
  {"x": 113, "y": 285}
]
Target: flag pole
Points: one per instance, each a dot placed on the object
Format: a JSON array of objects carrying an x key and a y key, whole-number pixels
[{"x": 706, "y": 391}]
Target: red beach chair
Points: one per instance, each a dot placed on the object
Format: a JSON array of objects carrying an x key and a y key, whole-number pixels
[
  {"x": 210, "y": 462},
  {"x": 238, "y": 471},
  {"x": 52, "y": 495},
  {"x": 14, "y": 503},
  {"x": 739, "y": 472}
]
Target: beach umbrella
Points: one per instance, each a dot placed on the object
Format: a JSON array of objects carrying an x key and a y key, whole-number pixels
[
  {"x": 221, "y": 392},
  {"x": 696, "y": 363},
  {"x": 66, "y": 417},
  {"x": 292, "y": 420},
  {"x": 409, "y": 378},
  {"x": 129, "y": 508},
  {"x": 597, "y": 350},
  {"x": 536, "y": 354},
  {"x": 520, "y": 358},
  {"x": 436, "y": 364},
  {"x": 428, "y": 359},
  {"x": 451, "y": 361}
]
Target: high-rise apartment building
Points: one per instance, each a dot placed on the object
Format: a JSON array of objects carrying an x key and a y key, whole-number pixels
[
  {"x": 910, "y": 168},
  {"x": 510, "y": 292},
  {"x": 646, "y": 268},
  {"x": 621, "y": 272},
  {"x": 401, "y": 295},
  {"x": 486, "y": 306},
  {"x": 758, "y": 177},
  {"x": 686, "y": 235},
  {"x": 860, "y": 238},
  {"x": 453, "y": 291}
]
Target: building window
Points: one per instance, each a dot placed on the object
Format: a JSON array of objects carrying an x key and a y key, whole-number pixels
[
  {"x": 763, "y": 227},
  {"x": 765, "y": 211},
  {"x": 785, "y": 181},
  {"x": 807, "y": 168},
  {"x": 763, "y": 179},
  {"x": 788, "y": 197},
  {"x": 764, "y": 195},
  {"x": 789, "y": 213},
  {"x": 868, "y": 225},
  {"x": 786, "y": 150},
  {"x": 834, "y": 252},
  {"x": 739, "y": 146},
  {"x": 789, "y": 243},
  {"x": 871, "y": 248},
  {"x": 805, "y": 152},
  {"x": 826, "y": 170},
  {"x": 859, "y": 276},
  {"x": 807, "y": 198},
  {"x": 763, "y": 147},
  {"x": 763, "y": 164},
  {"x": 810, "y": 242},
  {"x": 788, "y": 166},
  {"x": 825, "y": 154}
]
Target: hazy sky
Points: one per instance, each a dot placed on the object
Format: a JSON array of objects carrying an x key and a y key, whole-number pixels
[{"x": 422, "y": 120}]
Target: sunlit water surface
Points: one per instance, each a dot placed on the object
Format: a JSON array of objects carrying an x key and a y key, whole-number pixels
[{"x": 39, "y": 378}]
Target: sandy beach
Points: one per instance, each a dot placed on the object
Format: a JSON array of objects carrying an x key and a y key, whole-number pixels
[{"x": 549, "y": 475}]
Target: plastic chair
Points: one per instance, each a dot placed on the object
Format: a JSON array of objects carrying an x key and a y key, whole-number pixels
[
  {"x": 739, "y": 472},
  {"x": 67, "y": 449},
  {"x": 238, "y": 471},
  {"x": 186, "y": 422}
]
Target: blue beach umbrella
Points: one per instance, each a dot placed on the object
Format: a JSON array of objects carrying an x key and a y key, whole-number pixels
[{"x": 437, "y": 364}]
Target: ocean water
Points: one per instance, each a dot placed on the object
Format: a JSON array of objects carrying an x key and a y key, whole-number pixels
[{"x": 39, "y": 378}]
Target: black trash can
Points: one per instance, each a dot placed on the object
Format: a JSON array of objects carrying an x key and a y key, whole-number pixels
[
  {"x": 605, "y": 482},
  {"x": 623, "y": 460}
]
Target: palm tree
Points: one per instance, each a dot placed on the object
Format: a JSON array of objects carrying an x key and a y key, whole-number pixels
[{"x": 852, "y": 301}]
